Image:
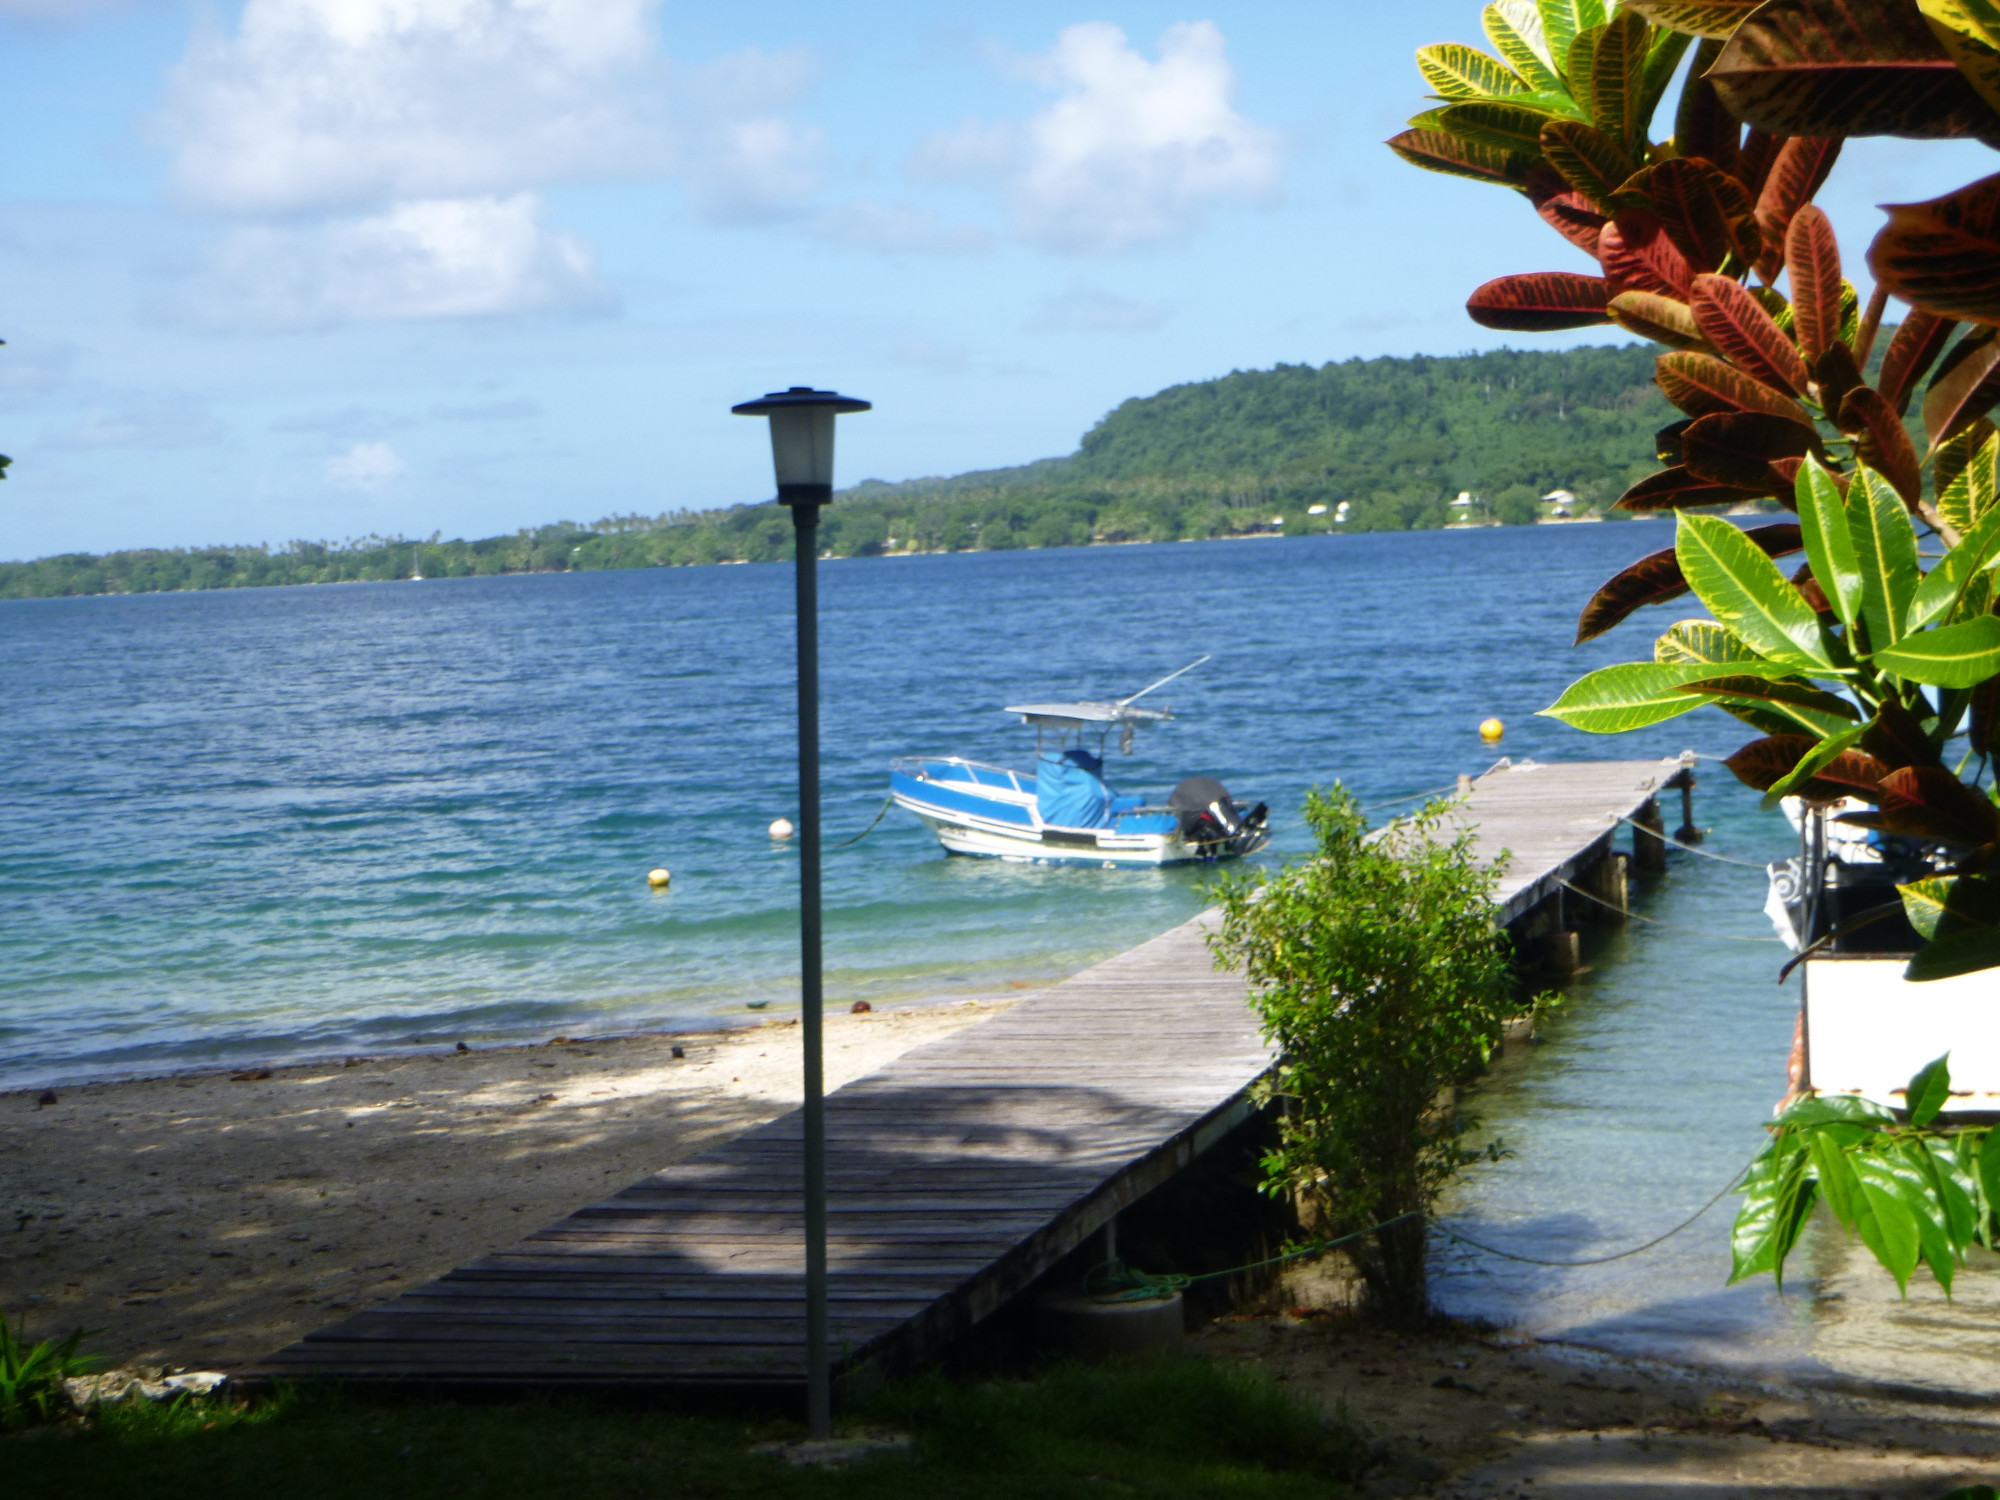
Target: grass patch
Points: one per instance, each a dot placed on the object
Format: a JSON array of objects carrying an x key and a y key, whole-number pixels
[{"x": 1182, "y": 1428}]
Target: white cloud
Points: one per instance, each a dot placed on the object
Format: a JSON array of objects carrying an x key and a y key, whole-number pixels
[
  {"x": 1089, "y": 309},
  {"x": 381, "y": 157},
  {"x": 1130, "y": 153},
  {"x": 434, "y": 258},
  {"x": 365, "y": 466},
  {"x": 339, "y": 104}
]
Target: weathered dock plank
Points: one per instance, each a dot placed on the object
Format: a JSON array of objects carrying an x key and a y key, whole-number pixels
[
  {"x": 1556, "y": 820},
  {"x": 956, "y": 1175}
]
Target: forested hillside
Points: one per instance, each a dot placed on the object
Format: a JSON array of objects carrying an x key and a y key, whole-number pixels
[{"x": 1394, "y": 438}]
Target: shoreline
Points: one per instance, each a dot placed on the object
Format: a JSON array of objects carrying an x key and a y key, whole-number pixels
[
  {"x": 204, "y": 1219},
  {"x": 695, "y": 1026},
  {"x": 727, "y": 562}
]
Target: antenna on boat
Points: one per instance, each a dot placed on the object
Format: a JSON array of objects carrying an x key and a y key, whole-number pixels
[{"x": 1162, "y": 682}]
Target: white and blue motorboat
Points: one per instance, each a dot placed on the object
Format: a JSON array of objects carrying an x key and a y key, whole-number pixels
[{"x": 1063, "y": 812}]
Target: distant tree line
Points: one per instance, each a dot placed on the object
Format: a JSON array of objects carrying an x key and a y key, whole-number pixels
[{"x": 1396, "y": 439}]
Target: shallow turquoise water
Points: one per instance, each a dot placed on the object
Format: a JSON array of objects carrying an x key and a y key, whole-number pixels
[{"x": 263, "y": 824}]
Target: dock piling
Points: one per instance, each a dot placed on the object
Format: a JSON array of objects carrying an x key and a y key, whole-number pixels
[{"x": 1649, "y": 837}]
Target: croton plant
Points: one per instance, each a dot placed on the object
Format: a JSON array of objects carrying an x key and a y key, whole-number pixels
[{"x": 1873, "y": 670}]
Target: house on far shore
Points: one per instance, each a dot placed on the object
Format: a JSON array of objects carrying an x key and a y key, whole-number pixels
[{"x": 1560, "y": 502}]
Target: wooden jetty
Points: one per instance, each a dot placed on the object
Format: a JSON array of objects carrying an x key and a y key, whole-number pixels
[{"x": 958, "y": 1174}]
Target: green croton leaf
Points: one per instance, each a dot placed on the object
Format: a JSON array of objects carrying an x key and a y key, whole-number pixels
[
  {"x": 1968, "y": 494},
  {"x": 1885, "y": 545},
  {"x": 1744, "y": 590},
  {"x": 1456, "y": 71},
  {"x": 1563, "y": 21},
  {"x": 1952, "y": 656},
  {"x": 1514, "y": 27},
  {"x": 1829, "y": 545},
  {"x": 1702, "y": 641},
  {"x": 1959, "y": 918},
  {"x": 1612, "y": 700},
  {"x": 1716, "y": 18},
  {"x": 1946, "y": 584}
]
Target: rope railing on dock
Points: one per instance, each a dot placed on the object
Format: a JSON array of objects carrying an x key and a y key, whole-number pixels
[
  {"x": 1726, "y": 859},
  {"x": 1726, "y": 937}
]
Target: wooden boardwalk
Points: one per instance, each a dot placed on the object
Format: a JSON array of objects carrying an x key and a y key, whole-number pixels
[{"x": 957, "y": 1175}]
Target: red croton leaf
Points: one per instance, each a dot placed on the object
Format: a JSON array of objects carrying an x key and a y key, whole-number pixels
[
  {"x": 1812, "y": 257},
  {"x": 1743, "y": 333},
  {"x": 1677, "y": 489},
  {"x": 1928, "y": 802},
  {"x": 1762, "y": 764},
  {"x": 1896, "y": 737},
  {"x": 1702, "y": 127},
  {"x": 1564, "y": 210},
  {"x": 1910, "y": 354},
  {"x": 1753, "y": 162},
  {"x": 1944, "y": 255},
  {"x": 1811, "y": 592},
  {"x": 1846, "y": 67},
  {"x": 1708, "y": 215},
  {"x": 1656, "y": 578},
  {"x": 1965, "y": 387},
  {"x": 1540, "y": 302},
  {"x": 1798, "y": 171},
  {"x": 1880, "y": 439},
  {"x": 1739, "y": 448},
  {"x": 1639, "y": 256},
  {"x": 1700, "y": 384},
  {"x": 1835, "y": 373}
]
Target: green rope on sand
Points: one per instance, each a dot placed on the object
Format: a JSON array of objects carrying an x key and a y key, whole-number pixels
[{"x": 1114, "y": 1281}]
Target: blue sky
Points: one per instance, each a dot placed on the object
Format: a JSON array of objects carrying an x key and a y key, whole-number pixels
[{"x": 322, "y": 268}]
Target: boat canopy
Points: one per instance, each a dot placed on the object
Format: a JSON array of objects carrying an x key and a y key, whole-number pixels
[{"x": 1077, "y": 715}]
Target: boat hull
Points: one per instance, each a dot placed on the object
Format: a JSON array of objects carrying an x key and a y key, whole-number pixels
[{"x": 989, "y": 813}]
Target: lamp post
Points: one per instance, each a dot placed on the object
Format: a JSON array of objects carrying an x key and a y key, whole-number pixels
[{"x": 802, "y": 453}]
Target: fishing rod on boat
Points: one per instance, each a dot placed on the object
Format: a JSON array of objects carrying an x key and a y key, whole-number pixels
[{"x": 1164, "y": 680}]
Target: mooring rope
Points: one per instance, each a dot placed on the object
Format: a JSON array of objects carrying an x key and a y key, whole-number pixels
[
  {"x": 1691, "y": 848},
  {"x": 1115, "y": 1281},
  {"x": 881, "y": 813},
  {"x": 1598, "y": 1260},
  {"x": 1725, "y": 937}
]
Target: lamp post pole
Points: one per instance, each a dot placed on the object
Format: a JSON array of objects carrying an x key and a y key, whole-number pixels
[{"x": 802, "y": 452}]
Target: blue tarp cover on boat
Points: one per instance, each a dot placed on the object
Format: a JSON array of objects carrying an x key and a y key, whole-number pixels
[{"x": 1069, "y": 791}]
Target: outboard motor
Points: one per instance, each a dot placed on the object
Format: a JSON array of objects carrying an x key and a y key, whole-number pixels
[{"x": 1209, "y": 815}]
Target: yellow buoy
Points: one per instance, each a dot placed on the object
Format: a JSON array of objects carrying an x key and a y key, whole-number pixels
[
  {"x": 781, "y": 828},
  {"x": 658, "y": 879},
  {"x": 1490, "y": 731}
]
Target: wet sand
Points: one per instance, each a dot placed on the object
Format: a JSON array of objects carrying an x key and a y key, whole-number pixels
[{"x": 206, "y": 1219}]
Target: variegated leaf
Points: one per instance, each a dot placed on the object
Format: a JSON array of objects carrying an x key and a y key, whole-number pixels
[{"x": 1456, "y": 71}]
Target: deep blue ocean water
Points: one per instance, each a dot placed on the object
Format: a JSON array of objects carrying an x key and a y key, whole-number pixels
[{"x": 253, "y": 825}]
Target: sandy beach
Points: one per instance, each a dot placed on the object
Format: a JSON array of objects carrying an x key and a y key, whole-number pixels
[{"x": 204, "y": 1220}]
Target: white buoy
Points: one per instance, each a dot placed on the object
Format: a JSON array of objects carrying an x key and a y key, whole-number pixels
[
  {"x": 781, "y": 828},
  {"x": 659, "y": 879}
]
